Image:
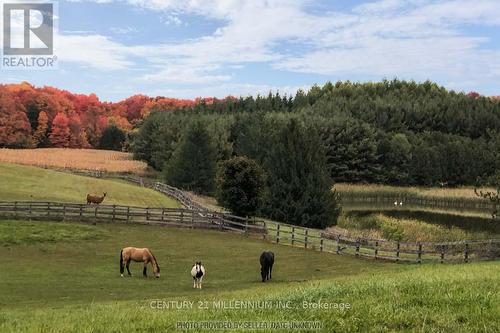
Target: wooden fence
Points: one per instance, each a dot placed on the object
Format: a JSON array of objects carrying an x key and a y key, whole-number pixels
[
  {"x": 350, "y": 200},
  {"x": 280, "y": 233},
  {"x": 178, "y": 217},
  {"x": 195, "y": 215},
  {"x": 444, "y": 252}
]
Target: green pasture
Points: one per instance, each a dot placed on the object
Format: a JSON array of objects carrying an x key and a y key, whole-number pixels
[
  {"x": 64, "y": 277},
  {"x": 25, "y": 183},
  {"x": 72, "y": 284}
]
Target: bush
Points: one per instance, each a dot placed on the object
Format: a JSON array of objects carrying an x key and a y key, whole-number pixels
[
  {"x": 240, "y": 185},
  {"x": 112, "y": 138}
]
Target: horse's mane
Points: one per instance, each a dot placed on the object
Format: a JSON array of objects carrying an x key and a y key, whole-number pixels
[{"x": 156, "y": 261}]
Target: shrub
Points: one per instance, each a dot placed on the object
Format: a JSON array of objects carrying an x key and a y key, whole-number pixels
[{"x": 240, "y": 185}]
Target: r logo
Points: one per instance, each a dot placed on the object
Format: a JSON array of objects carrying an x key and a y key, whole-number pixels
[{"x": 20, "y": 22}]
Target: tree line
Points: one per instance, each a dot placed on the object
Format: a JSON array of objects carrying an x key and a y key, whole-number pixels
[{"x": 391, "y": 132}]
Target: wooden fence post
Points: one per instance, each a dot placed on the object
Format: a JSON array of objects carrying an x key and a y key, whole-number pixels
[
  {"x": 114, "y": 213},
  {"x": 419, "y": 259},
  {"x": 338, "y": 244},
  {"x": 278, "y": 233},
  {"x": 442, "y": 253},
  {"x": 81, "y": 213},
  {"x": 293, "y": 235},
  {"x": 466, "y": 252},
  {"x": 64, "y": 212},
  {"x": 306, "y": 238},
  {"x": 264, "y": 234},
  {"x": 376, "y": 249},
  {"x": 357, "y": 247},
  {"x": 15, "y": 209},
  {"x": 128, "y": 214},
  {"x": 48, "y": 209},
  {"x": 397, "y": 251},
  {"x": 30, "y": 211},
  {"x": 147, "y": 214},
  {"x": 163, "y": 214},
  {"x": 321, "y": 244},
  {"x": 246, "y": 226}
]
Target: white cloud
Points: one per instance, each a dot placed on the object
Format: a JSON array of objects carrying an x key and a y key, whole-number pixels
[
  {"x": 404, "y": 38},
  {"x": 93, "y": 51}
]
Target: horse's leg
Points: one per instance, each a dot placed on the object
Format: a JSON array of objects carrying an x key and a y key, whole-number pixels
[
  {"x": 128, "y": 270},
  {"x": 201, "y": 280},
  {"x": 270, "y": 271},
  {"x": 121, "y": 264},
  {"x": 194, "y": 282},
  {"x": 144, "y": 271}
]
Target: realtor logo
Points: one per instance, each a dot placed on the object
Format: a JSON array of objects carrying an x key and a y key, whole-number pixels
[{"x": 28, "y": 35}]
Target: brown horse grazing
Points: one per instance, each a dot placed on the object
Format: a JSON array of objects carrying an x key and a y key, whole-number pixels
[
  {"x": 138, "y": 255},
  {"x": 95, "y": 199}
]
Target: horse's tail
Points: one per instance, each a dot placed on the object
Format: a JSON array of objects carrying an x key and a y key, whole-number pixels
[{"x": 121, "y": 262}]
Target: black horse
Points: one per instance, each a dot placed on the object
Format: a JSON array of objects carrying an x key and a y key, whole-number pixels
[{"x": 266, "y": 265}]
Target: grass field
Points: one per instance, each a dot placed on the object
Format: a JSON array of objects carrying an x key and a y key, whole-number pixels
[
  {"x": 55, "y": 284},
  {"x": 62, "y": 277},
  {"x": 24, "y": 183},
  {"x": 77, "y": 159}
]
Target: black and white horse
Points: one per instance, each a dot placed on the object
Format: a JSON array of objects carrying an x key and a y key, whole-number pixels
[
  {"x": 197, "y": 272},
  {"x": 266, "y": 265}
]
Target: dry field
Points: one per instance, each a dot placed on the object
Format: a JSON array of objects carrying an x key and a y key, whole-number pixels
[
  {"x": 433, "y": 192},
  {"x": 76, "y": 159}
]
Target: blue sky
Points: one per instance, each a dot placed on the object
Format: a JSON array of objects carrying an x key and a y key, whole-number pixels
[{"x": 190, "y": 48}]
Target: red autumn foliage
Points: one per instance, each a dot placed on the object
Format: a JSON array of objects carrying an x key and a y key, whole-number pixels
[
  {"x": 14, "y": 125},
  {"x": 49, "y": 117},
  {"x": 474, "y": 95}
]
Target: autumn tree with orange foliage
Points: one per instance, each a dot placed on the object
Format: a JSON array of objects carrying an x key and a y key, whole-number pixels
[
  {"x": 60, "y": 135},
  {"x": 40, "y": 135},
  {"x": 14, "y": 125}
]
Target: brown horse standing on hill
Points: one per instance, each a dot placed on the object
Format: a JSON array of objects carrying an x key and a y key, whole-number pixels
[
  {"x": 95, "y": 199},
  {"x": 138, "y": 255}
]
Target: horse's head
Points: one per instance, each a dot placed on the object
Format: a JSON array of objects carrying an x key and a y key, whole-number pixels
[
  {"x": 156, "y": 270},
  {"x": 104, "y": 194}
]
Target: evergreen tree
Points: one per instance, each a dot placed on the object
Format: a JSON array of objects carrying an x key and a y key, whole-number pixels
[
  {"x": 112, "y": 138},
  {"x": 299, "y": 185},
  {"x": 396, "y": 155},
  {"x": 193, "y": 163},
  {"x": 240, "y": 185},
  {"x": 351, "y": 150}
]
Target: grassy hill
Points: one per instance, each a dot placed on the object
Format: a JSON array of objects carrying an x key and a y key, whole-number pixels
[{"x": 26, "y": 183}]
